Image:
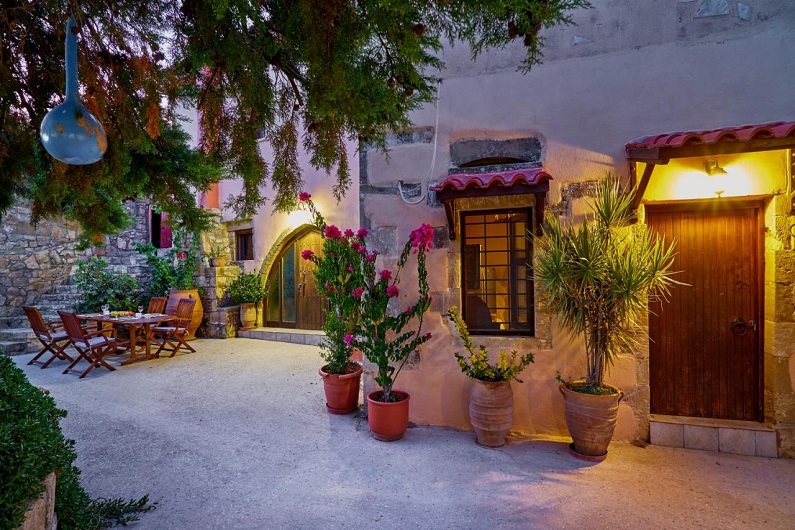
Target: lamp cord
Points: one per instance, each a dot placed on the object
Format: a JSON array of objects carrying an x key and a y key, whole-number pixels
[{"x": 433, "y": 158}]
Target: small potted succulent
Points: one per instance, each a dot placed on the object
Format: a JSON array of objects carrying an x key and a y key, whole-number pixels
[
  {"x": 491, "y": 396},
  {"x": 218, "y": 255},
  {"x": 248, "y": 290}
]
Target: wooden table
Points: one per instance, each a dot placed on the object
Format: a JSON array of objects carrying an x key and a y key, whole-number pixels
[{"x": 135, "y": 325}]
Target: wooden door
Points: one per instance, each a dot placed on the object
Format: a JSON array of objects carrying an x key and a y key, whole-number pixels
[
  {"x": 309, "y": 302},
  {"x": 704, "y": 344}
]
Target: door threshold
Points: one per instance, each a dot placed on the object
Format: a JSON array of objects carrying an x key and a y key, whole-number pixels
[
  {"x": 294, "y": 336},
  {"x": 708, "y": 434}
]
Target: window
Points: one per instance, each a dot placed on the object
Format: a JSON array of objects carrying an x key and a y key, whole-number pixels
[
  {"x": 496, "y": 280},
  {"x": 160, "y": 230},
  {"x": 244, "y": 244}
]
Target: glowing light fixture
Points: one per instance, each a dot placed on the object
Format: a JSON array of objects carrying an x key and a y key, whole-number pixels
[
  {"x": 69, "y": 132},
  {"x": 714, "y": 170}
]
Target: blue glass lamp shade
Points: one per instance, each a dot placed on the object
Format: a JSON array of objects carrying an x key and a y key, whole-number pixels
[{"x": 69, "y": 132}]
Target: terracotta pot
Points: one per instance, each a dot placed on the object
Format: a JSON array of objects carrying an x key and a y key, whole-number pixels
[
  {"x": 591, "y": 420},
  {"x": 248, "y": 315},
  {"x": 491, "y": 411},
  {"x": 388, "y": 421},
  {"x": 198, "y": 310},
  {"x": 342, "y": 390},
  {"x": 219, "y": 262}
]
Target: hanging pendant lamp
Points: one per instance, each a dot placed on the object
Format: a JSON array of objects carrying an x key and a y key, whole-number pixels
[{"x": 69, "y": 132}]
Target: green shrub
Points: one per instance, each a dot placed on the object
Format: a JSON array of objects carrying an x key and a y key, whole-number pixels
[
  {"x": 247, "y": 288},
  {"x": 176, "y": 269},
  {"x": 32, "y": 446},
  {"x": 99, "y": 286}
]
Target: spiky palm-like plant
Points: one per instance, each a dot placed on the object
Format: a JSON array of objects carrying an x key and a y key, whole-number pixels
[{"x": 598, "y": 278}]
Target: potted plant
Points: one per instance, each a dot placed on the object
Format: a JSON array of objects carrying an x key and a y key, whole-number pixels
[
  {"x": 598, "y": 280},
  {"x": 491, "y": 396},
  {"x": 247, "y": 290},
  {"x": 218, "y": 255},
  {"x": 380, "y": 326},
  {"x": 341, "y": 376},
  {"x": 173, "y": 275}
]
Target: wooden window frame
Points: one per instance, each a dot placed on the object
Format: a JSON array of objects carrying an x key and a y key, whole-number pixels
[
  {"x": 244, "y": 251},
  {"x": 468, "y": 262}
]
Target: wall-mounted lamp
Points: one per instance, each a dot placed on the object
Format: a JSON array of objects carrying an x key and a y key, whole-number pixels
[{"x": 712, "y": 168}]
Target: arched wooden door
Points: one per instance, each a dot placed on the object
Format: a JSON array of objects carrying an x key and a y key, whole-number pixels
[{"x": 293, "y": 301}]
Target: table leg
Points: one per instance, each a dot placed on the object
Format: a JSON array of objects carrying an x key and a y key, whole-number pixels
[{"x": 134, "y": 357}]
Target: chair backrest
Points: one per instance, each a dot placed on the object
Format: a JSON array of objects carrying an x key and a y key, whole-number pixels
[
  {"x": 184, "y": 312},
  {"x": 37, "y": 322},
  {"x": 157, "y": 304},
  {"x": 72, "y": 326}
]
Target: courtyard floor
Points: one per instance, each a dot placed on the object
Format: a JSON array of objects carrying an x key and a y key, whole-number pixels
[{"x": 236, "y": 436}]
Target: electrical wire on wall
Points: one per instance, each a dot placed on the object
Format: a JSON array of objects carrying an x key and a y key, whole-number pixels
[{"x": 433, "y": 158}]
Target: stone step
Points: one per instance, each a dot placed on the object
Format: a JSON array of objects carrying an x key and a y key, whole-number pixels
[
  {"x": 13, "y": 322},
  {"x": 24, "y": 339},
  {"x": 295, "y": 336},
  {"x": 725, "y": 436},
  {"x": 14, "y": 348}
]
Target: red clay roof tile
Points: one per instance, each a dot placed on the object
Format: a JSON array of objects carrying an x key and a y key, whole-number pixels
[
  {"x": 505, "y": 179},
  {"x": 742, "y": 133}
]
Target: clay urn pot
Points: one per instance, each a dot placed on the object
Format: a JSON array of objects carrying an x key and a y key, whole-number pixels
[
  {"x": 248, "y": 316},
  {"x": 491, "y": 411},
  {"x": 198, "y": 309},
  {"x": 388, "y": 421},
  {"x": 591, "y": 420},
  {"x": 342, "y": 390}
]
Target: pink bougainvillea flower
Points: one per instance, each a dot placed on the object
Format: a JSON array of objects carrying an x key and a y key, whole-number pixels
[
  {"x": 385, "y": 274},
  {"x": 307, "y": 254},
  {"x": 428, "y": 336},
  {"x": 332, "y": 232},
  {"x": 369, "y": 258},
  {"x": 422, "y": 238},
  {"x": 392, "y": 291},
  {"x": 304, "y": 196},
  {"x": 182, "y": 254},
  {"x": 357, "y": 293},
  {"x": 348, "y": 339},
  {"x": 409, "y": 309},
  {"x": 356, "y": 246},
  {"x": 348, "y": 232},
  {"x": 362, "y": 232},
  {"x": 350, "y": 268}
]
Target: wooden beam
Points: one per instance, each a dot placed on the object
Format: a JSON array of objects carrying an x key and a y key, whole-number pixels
[
  {"x": 641, "y": 189},
  {"x": 539, "y": 211},
  {"x": 661, "y": 155},
  {"x": 449, "y": 210}
]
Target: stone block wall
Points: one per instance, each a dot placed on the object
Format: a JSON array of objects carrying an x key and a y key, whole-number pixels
[{"x": 34, "y": 261}]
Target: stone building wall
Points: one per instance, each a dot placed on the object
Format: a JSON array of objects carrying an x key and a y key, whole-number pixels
[{"x": 33, "y": 261}]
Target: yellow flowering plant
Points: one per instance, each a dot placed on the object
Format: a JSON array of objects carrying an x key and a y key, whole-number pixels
[{"x": 477, "y": 365}]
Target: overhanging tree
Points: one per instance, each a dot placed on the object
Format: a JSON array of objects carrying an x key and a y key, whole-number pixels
[{"x": 298, "y": 72}]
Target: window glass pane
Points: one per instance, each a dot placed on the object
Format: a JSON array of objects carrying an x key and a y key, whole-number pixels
[
  {"x": 475, "y": 231},
  {"x": 274, "y": 295},
  {"x": 498, "y": 297},
  {"x": 288, "y": 285},
  {"x": 474, "y": 219}
]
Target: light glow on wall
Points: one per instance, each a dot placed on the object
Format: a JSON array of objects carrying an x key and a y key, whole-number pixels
[
  {"x": 749, "y": 174},
  {"x": 298, "y": 218}
]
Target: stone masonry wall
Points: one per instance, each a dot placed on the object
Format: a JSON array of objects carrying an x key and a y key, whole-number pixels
[{"x": 33, "y": 261}]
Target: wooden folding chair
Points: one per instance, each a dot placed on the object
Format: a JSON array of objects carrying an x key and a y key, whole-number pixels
[
  {"x": 157, "y": 304},
  {"x": 172, "y": 338},
  {"x": 92, "y": 345},
  {"x": 51, "y": 335}
]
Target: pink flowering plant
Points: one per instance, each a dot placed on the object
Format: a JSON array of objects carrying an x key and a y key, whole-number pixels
[
  {"x": 338, "y": 276},
  {"x": 364, "y": 300}
]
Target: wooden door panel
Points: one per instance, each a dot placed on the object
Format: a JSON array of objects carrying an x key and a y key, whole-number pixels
[
  {"x": 309, "y": 300},
  {"x": 698, "y": 366}
]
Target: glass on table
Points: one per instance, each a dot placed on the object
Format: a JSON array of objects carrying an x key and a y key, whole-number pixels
[
  {"x": 105, "y": 309},
  {"x": 140, "y": 311}
]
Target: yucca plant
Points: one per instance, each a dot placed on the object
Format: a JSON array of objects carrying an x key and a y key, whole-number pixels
[{"x": 599, "y": 278}]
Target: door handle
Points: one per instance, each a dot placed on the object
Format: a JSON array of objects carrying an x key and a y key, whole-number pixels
[{"x": 740, "y": 327}]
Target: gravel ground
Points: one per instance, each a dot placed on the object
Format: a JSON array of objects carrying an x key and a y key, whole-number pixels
[{"x": 236, "y": 436}]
